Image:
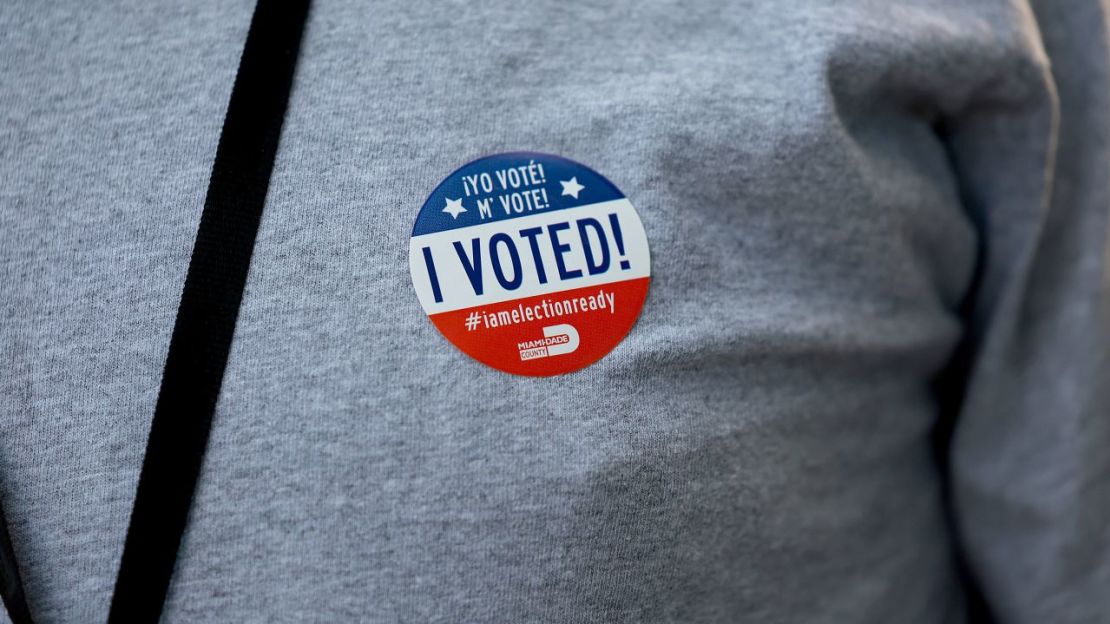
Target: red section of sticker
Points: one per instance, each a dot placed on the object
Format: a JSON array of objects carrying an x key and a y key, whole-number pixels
[{"x": 547, "y": 334}]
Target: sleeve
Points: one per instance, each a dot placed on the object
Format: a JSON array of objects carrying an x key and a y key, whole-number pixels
[{"x": 1029, "y": 448}]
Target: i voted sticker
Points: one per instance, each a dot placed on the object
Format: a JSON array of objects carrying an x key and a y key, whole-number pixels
[{"x": 530, "y": 263}]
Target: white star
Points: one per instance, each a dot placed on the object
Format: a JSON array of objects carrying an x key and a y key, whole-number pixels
[
  {"x": 454, "y": 208},
  {"x": 571, "y": 187}
]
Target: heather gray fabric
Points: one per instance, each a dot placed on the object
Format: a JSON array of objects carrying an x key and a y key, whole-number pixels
[{"x": 825, "y": 186}]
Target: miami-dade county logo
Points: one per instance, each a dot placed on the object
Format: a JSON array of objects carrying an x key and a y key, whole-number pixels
[
  {"x": 557, "y": 340},
  {"x": 530, "y": 263}
]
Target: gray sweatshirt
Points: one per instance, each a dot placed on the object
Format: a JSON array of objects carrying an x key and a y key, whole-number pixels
[{"x": 872, "y": 372}]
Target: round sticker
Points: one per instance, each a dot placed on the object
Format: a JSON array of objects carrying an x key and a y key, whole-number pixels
[{"x": 530, "y": 263}]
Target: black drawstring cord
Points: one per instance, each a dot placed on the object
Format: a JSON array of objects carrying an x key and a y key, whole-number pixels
[
  {"x": 206, "y": 317},
  {"x": 205, "y": 323},
  {"x": 11, "y": 586}
]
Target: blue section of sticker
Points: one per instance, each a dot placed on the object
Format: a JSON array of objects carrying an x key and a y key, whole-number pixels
[{"x": 511, "y": 185}]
